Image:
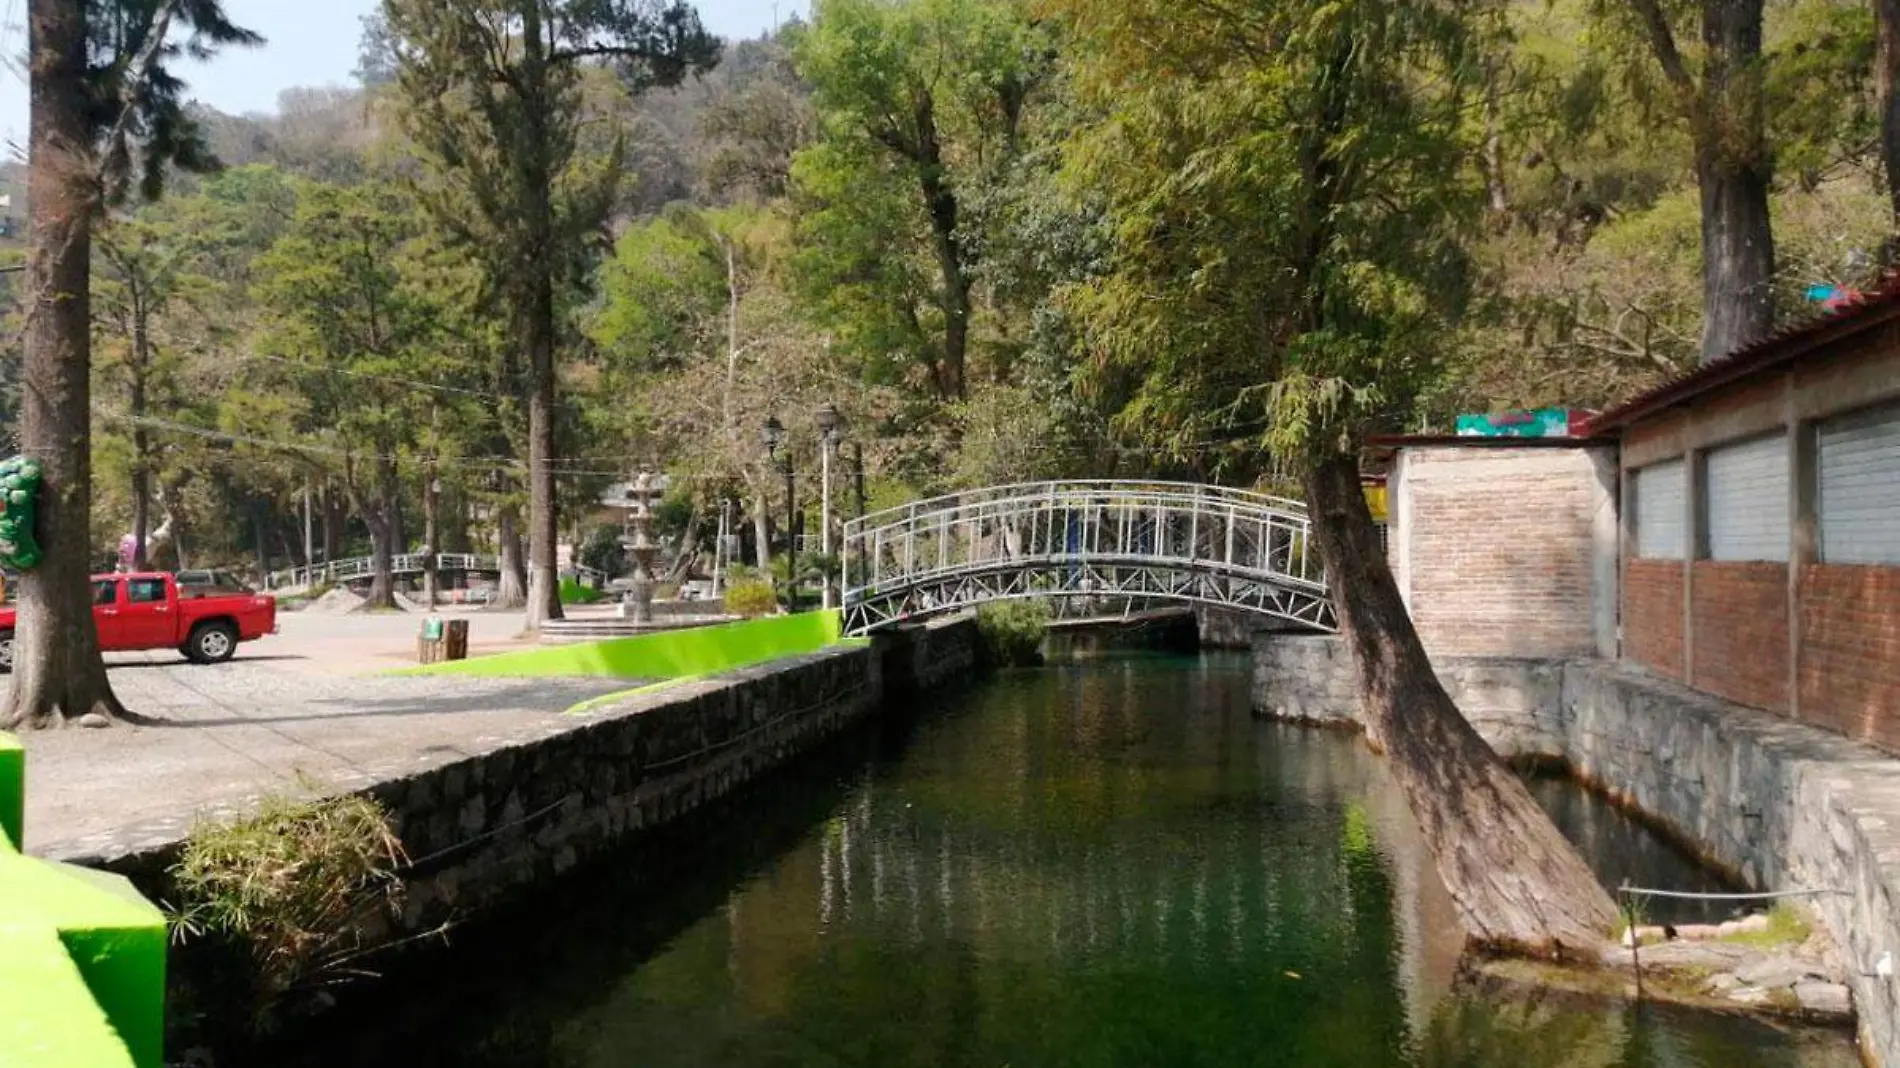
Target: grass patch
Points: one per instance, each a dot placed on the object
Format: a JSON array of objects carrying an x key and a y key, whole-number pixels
[
  {"x": 281, "y": 895},
  {"x": 573, "y": 592},
  {"x": 1786, "y": 926}
]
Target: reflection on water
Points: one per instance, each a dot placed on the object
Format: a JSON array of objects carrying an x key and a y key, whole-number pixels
[{"x": 1090, "y": 866}]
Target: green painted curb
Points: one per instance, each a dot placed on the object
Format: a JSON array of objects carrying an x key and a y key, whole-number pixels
[
  {"x": 82, "y": 958},
  {"x": 12, "y": 794},
  {"x": 662, "y": 655}
]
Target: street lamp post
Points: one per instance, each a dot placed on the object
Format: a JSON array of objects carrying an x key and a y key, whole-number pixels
[
  {"x": 831, "y": 431},
  {"x": 774, "y": 440}
]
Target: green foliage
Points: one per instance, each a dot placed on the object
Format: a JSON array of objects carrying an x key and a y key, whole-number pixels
[
  {"x": 19, "y": 496},
  {"x": 140, "y": 114},
  {"x": 920, "y": 105},
  {"x": 572, "y": 592},
  {"x": 287, "y": 888},
  {"x": 750, "y": 597},
  {"x": 1010, "y": 633},
  {"x": 1288, "y": 222},
  {"x": 603, "y": 552},
  {"x": 1787, "y": 926}
]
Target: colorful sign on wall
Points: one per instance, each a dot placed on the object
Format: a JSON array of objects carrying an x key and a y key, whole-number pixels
[{"x": 1540, "y": 423}]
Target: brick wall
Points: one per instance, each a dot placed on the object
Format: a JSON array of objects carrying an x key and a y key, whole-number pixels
[
  {"x": 1850, "y": 651},
  {"x": 1741, "y": 632},
  {"x": 1652, "y": 615},
  {"x": 1501, "y": 551}
]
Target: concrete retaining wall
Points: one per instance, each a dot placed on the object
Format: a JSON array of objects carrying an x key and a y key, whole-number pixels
[
  {"x": 532, "y": 805},
  {"x": 1782, "y": 805}
]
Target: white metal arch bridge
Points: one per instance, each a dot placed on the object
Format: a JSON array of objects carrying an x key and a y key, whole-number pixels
[{"x": 1162, "y": 540}]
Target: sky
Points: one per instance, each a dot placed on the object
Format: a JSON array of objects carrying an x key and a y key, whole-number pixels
[{"x": 308, "y": 43}]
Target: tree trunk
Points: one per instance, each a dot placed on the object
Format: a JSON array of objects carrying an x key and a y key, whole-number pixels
[
  {"x": 333, "y": 522},
  {"x": 511, "y": 588},
  {"x": 544, "y": 588},
  {"x": 379, "y": 514},
  {"x": 382, "y": 582},
  {"x": 57, "y": 671},
  {"x": 1886, "y": 73},
  {"x": 180, "y": 525},
  {"x": 455, "y": 537},
  {"x": 260, "y": 537},
  {"x": 762, "y": 537},
  {"x": 1518, "y": 885},
  {"x": 1733, "y": 174},
  {"x": 430, "y": 532},
  {"x": 940, "y": 201},
  {"x": 688, "y": 556},
  {"x": 1496, "y": 198},
  {"x": 1738, "y": 271},
  {"x": 141, "y": 459}
]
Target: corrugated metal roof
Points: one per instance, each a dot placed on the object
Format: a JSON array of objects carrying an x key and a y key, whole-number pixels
[{"x": 1790, "y": 343}]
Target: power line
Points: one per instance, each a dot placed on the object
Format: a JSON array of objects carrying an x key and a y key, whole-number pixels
[{"x": 477, "y": 463}]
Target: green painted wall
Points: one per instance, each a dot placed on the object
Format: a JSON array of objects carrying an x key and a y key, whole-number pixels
[
  {"x": 12, "y": 792},
  {"x": 82, "y": 957},
  {"x": 670, "y": 654}
]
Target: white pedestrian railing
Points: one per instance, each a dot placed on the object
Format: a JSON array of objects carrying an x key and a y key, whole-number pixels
[
  {"x": 300, "y": 578},
  {"x": 1160, "y": 540}
]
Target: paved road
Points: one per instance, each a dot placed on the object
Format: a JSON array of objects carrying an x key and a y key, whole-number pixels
[{"x": 306, "y": 705}]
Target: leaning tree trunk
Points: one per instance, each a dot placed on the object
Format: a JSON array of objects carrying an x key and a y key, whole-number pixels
[
  {"x": 511, "y": 589},
  {"x": 1518, "y": 885},
  {"x": 57, "y": 672}
]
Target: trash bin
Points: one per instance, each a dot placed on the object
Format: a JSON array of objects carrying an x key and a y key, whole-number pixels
[{"x": 442, "y": 639}]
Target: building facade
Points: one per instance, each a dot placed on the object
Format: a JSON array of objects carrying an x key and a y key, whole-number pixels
[{"x": 1760, "y": 524}]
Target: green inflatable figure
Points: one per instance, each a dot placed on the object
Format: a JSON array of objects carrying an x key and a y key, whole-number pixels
[{"x": 19, "y": 493}]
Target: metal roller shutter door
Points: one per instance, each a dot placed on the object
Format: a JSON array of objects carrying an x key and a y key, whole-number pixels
[
  {"x": 1747, "y": 500},
  {"x": 1859, "y": 488},
  {"x": 1661, "y": 522}
]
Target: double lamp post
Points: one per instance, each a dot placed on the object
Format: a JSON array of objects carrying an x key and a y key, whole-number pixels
[{"x": 831, "y": 428}]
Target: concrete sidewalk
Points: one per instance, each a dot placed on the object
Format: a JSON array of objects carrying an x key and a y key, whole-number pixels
[{"x": 306, "y": 706}]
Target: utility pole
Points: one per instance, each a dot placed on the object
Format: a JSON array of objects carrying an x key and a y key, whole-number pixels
[
  {"x": 309, "y": 561},
  {"x": 831, "y": 431}
]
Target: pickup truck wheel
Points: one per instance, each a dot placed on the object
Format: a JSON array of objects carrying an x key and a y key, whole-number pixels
[
  {"x": 211, "y": 643},
  {"x": 6, "y": 652}
]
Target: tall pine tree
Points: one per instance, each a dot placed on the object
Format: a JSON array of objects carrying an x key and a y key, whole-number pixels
[
  {"x": 493, "y": 98},
  {"x": 108, "y": 119}
]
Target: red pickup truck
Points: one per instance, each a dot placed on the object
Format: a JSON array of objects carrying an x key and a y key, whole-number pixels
[{"x": 152, "y": 611}]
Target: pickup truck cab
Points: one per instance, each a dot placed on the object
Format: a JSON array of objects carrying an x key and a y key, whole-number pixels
[{"x": 150, "y": 610}]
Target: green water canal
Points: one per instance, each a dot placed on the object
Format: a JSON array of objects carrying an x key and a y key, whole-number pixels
[{"x": 1100, "y": 865}]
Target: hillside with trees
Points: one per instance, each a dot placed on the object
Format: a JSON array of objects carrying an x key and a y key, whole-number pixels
[{"x": 923, "y": 211}]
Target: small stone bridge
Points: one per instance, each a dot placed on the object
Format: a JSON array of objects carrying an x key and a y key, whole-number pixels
[{"x": 1160, "y": 540}]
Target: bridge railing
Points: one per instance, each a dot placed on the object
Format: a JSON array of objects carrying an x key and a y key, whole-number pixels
[
  {"x": 1176, "y": 527},
  {"x": 363, "y": 566}
]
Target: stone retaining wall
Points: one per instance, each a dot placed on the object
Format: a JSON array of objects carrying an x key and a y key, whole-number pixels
[
  {"x": 484, "y": 828},
  {"x": 937, "y": 654},
  {"x": 528, "y": 806},
  {"x": 1782, "y": 805}
]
